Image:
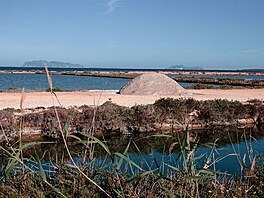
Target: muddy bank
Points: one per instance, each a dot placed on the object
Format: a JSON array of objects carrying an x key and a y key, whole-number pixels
[{"x": 111, "y": 119}]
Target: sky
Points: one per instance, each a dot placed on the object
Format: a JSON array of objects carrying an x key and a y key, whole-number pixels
[{"x": 213, "y": 34}]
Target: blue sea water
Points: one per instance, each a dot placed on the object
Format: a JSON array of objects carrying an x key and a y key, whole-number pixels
[
  {"x": 65, "y": 82},
  {"x": 70, "y": 82}
]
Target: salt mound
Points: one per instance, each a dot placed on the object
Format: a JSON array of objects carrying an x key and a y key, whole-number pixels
[{"x": 153, "y": 84}]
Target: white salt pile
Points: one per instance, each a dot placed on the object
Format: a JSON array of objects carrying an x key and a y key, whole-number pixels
[{"x": 153, "y": 84}]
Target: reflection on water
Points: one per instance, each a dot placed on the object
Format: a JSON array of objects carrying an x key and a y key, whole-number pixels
[{"x": 225, "y": 146}]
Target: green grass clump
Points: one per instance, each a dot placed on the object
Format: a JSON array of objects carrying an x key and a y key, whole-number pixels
[{"x": 55, "y": 89}]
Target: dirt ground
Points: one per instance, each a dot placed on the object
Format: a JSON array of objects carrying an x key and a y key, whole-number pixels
[{"x": 78, "y": 98}]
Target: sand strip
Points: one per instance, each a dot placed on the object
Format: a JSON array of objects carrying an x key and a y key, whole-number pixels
[{"x": 97, "y": 97}]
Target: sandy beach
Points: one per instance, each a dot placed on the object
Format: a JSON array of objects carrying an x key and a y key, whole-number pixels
[{"x": 98, "y": 97}]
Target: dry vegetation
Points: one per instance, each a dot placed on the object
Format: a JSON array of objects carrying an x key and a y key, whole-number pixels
[{"x": 111, "y": 118}]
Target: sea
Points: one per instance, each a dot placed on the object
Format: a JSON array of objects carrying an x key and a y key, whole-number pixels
[{"x": 38, "y": 82}]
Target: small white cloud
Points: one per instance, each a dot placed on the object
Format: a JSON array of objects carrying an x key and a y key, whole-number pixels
[{"x": 111, "y": 5}]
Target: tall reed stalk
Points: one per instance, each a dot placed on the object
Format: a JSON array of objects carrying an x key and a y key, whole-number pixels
[{"x": 63, "y": 136}]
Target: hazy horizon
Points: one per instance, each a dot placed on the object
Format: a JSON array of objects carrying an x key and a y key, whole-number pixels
[{"x": 213, "y": 34}]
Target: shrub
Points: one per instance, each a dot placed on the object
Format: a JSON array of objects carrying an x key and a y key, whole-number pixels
[
  {"x": 143, "y": 118},
  {"x": 33, "y": 120},
  {"x": 83, "y": 121},
  {"x": 176, "y": 109},
  {"x": 55, "y": 89},
  {"x": 9, "y": 125},
  {"x": 51, "y": 126},
  {"x": 111, "y": 117}
]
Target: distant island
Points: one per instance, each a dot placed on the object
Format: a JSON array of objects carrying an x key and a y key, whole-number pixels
[
  {"x": 182, "y": 67},
  {"x": 41, "y": 63}
]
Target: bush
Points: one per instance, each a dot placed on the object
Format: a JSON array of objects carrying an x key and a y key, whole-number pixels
[
  {"x": 9, "y": 125},
  {"x": 143, "y": 118},
  {"x": 55, "y": 89},
  {"x": 219, "y": 110},
  {"x": 176, "y": 109},
  {"x": 201, "y": 86},
  {"x": 111, "y": 117},
  {"x": 51, "y": 126},
  {"x": 83, "y": 121}
]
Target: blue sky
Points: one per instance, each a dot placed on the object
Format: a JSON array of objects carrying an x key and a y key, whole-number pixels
[{"x": 214, "y": 34}]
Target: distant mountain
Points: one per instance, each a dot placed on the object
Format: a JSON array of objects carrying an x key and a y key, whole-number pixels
[
  {"x": 182, "y": 67},
  {"x": 41, "y": 63}
]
